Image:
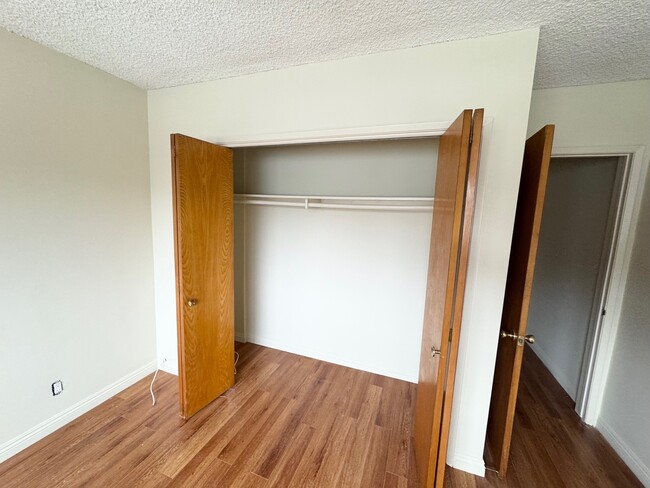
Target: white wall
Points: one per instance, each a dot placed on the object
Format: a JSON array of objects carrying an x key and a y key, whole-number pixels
[
  {"x": 76, "y": 270},
  {"x": 428, "y": 83},
  {"x": 344, "y": 286},
  {"x": 572, "y": 238},
  {"x": 594, "y": 117}
]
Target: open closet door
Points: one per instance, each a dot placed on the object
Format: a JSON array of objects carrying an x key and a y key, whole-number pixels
[
  {"x": 519, "y": 284},
  {"x": 203, "y": 234},
  {"x": 453, "y": 211}
]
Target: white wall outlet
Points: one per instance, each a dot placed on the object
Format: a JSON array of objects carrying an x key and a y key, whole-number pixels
[{"x": 57, "y": 387}]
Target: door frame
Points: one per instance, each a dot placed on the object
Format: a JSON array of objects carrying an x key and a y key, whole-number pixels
[
  {"x": 347, "y": 134},
  {"x": 602, "y": 332}
]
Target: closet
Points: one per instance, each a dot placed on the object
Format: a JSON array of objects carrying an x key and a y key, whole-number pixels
[{"x": 329, "y": 251}]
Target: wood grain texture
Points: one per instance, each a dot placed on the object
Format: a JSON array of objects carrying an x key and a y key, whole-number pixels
[
  {"x": 270, "y": 431},
  {"x": 461, "y": 282},
  {"x": 446, "y": 228},
  {"x": 519, "y": 284},
  {"x": 551, "y": 446},
  {"x": 289, "y": 421},
  {"x": 203, "y": 231}
]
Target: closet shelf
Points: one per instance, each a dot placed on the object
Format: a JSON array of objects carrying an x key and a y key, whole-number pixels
[{"x": 413, "y": 204}]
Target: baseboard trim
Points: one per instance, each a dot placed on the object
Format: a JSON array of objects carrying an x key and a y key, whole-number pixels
[
  {"x": 316, "y": 354},
  {"x": 36, "y": 433},
  {"x": 469, "y": 464},
  {"x": 550, "y": 365},
  {"x": 627, "y": 454}
]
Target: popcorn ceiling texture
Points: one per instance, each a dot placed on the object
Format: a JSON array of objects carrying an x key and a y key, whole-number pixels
[{"x": 161, "y": 43}]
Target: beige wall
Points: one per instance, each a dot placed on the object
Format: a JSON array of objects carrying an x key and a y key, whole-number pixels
[
  {"x": 597, "y": 117},
  {"x": 76, "y": 274}
]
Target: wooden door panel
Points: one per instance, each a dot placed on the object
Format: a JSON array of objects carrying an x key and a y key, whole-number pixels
[
  {"x": 203, "y": 228},
  {"x": 448, "y": 254},
  {"x": 519, "y": 283},
  {"x": 461, "y": 282}
]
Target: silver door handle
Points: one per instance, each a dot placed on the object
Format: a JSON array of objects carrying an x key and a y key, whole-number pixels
[{"x": 434, "y": 352}]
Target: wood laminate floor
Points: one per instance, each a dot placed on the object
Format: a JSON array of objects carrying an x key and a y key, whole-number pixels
[
  {"x": 292, "y": 421},
  {"x": 551, "y": 446}
]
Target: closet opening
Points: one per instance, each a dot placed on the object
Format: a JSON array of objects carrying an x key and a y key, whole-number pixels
[
  {"x": 350, "y": 253},
  {"x": 331, "y": 249}
]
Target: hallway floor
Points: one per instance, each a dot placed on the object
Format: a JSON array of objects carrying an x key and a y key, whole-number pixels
[{"x": 551, "y": 446}]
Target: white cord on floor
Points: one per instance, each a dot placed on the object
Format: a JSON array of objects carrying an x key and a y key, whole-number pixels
[{"x": 153, "y": 397}]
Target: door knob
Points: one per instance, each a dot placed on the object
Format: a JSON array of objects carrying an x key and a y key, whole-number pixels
[
  {"x": 434, "y": 352},
  {"x": 505, "y": 335},
  {"x": 191, "y": 302},
  {"x": 530, "y": 339}
]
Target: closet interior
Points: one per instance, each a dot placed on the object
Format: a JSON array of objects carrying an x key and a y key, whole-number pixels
[{"x": 331, "y": 250}]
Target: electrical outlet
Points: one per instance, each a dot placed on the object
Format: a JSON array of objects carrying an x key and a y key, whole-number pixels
[{"x": 57, "y": 387}]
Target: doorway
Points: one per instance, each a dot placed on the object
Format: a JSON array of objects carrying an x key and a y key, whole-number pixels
[
  {"x": 199, "y": 225},
  {"x": 575, "y": 251}
]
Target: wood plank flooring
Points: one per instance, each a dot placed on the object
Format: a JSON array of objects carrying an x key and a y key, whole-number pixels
[
  {"x": 292, "y": 421},
  {"x": 289, "y": 421}
]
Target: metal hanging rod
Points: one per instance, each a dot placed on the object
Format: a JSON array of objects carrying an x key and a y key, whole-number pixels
[{"x": 337, "y": 202}]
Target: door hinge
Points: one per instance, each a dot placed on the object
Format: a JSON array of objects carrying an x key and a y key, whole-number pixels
[
  {"x": 451, "y": 332},
  {"x": 603, "y": 312}
]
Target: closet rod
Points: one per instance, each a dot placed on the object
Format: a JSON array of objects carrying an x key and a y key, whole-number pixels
[
  {"x": 336, "y": 202},
  {"x": 332, "y": 197}
]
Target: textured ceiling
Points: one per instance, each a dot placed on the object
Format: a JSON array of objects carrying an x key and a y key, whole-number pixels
[{"x": 159, "y": 43}]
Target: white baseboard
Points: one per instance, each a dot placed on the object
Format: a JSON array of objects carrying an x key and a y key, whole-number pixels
[
  {"x": 36, "y": 433},
  {"x": 469, "y": 464},
  {"x": 638, "y": 467},
  {"x": 330, "y": 358}
]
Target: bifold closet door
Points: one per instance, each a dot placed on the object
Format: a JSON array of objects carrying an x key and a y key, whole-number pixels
[
  {"x": 453, "y": 212},
  {"x": 203, "y": 234}
]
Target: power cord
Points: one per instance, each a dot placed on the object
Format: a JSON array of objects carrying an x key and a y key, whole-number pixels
[{"x": 153, "y": 397}]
